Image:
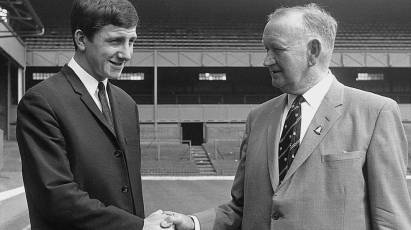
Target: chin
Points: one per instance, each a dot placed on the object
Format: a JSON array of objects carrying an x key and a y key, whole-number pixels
[
  {"x": 276, "y": 83},
  {"x": 115, "y": 75}
]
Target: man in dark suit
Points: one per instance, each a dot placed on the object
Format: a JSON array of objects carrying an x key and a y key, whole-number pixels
[
  {"x": 79, "y": 135},
  {"x": 322, "y": 155}
]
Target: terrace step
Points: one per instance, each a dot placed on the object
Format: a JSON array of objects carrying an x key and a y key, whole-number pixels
[{"x": 202, "y": 160}]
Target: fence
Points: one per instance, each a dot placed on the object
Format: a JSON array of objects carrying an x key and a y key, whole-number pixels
[{"x": 161, "y": 148}]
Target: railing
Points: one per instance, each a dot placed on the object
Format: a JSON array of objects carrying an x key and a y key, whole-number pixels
[
  {"x": 203, "y": 98},
  {"x": 189, "y": 148}
]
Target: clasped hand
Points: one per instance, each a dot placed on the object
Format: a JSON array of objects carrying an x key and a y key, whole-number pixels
[{"x": 168, "y": 220}]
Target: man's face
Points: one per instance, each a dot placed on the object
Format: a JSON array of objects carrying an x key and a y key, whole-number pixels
[
  {"x": 108, "y": 51},
  {"x": 286, "y": 57}
]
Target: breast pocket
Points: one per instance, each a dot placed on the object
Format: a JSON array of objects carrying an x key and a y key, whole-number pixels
[
  {"x": 343, "y": 156},
  {"x": 344, "y": 159}
]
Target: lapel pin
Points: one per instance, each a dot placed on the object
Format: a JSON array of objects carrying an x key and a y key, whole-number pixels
[{"x": 318, "y": 130}]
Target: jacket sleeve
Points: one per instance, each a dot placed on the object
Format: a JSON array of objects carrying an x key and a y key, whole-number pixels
[
  {"x": 229, "y": 216},
  {"x": 390, "y": 203},
  {"x": 51, "y": 190}
]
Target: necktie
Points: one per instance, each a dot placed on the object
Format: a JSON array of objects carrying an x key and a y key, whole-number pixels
[
  {"x": 104, "y": 103},
  {"x": 290, "y": 137}
]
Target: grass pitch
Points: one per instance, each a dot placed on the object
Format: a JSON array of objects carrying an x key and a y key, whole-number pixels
[{"x": 184, "y": 196}]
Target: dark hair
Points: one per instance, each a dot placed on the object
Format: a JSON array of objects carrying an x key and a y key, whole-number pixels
[{"x": 91, "y": 15}]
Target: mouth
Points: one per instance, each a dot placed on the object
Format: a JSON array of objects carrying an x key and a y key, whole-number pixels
[
  {"x": 274, "y": 71},
  {"x": 118, "y": 64}
]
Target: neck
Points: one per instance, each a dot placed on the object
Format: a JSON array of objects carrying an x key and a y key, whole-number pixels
[{"x": 83, "y": 63}]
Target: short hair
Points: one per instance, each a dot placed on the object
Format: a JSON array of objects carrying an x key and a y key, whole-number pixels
[
  {"x": 91, "y": 15},
  {"x": 315, "y": 20}
]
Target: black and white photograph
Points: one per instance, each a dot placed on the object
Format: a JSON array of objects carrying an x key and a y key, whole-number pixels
[{"x": 205, "y": 114}]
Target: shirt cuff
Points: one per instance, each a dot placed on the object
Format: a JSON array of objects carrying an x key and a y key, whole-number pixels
[{"x": 196, "y": 222}]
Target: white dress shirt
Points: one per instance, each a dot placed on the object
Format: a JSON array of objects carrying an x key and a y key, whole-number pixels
[
  {"x": 89, "y": 82},
  {"x": 313, "y": 98}
]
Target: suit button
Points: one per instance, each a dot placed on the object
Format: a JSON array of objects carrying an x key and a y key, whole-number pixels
[
  {"x": 275, "y": 215},
  {"x": 118, "y": 153},
  {"x": 124, "y": 189}
]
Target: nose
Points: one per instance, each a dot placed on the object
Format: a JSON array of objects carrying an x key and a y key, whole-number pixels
[
  {"x": 269, "y": 60},
  {"x": 126, "y": 52}
]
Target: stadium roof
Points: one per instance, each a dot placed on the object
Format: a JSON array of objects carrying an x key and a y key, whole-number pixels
[
  {"x": 21, "y": 19},
  {"x": 56, "y": 12}
]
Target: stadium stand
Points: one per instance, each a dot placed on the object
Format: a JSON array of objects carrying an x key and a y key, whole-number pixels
[
  {"x": 183, "y": 25},
  {"x": 172, "y": 159},
  {"x": 224, "y": 155},
  {"x": 10, "y": 170},
  {"x": 370, "y": 36},
  {"x": 172, "y": 151}
]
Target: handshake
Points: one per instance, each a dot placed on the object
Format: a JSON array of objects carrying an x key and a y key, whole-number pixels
[{"x": 168, "y": 220}]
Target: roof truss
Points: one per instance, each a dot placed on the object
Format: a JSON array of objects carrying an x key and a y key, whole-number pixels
[{"x": 22, "y": 20}]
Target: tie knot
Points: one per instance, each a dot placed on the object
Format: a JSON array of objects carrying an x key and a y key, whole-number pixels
[
  {"x": 298, "y": 100},
  {"x": 101, "y": 86}
]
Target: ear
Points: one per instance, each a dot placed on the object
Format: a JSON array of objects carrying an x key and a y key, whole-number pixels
[
  {"x": 314, "y": 50},
  {"x": 80, "y": 39}
]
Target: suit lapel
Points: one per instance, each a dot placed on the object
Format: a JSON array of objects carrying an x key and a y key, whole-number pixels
[
  {"x": 85, "y": 97},
  {"x": 273, "y": 137},
  {"x": 115, "y": 104},
  {"x": 327, "y": 114}
]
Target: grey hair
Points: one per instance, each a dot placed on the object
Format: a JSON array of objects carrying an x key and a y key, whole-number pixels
[{"x": 315, "y": 20}]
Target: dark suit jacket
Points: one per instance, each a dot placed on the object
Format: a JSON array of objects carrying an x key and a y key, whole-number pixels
[
  {"x": 348, "y": 176},
  {"x": 79, "y": 173}
]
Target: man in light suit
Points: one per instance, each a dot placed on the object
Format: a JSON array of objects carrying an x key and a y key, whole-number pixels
[
  {"x": 78, "y": 134},
  {"x": 322, "y": 156}
]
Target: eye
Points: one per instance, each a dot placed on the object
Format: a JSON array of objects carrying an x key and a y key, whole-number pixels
[
  {"x": 278, "y": 50},
  {"x": 115, "y": 41},
  {"x": 132, "y": 42}
]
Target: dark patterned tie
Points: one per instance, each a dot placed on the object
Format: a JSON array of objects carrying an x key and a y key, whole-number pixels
[
  {"x": 104, "y": 103},
  {"x": 290, "y": 137}
]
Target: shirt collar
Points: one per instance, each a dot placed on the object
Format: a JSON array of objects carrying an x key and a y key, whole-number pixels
[
  {"x": 315, "y": 95},
  {"x": 88, "y": 81}
]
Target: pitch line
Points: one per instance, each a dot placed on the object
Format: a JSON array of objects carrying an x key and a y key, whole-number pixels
[
  {"x": 11, "y": 193},
  {"x": 408, "y": 177},
  {"x": 187, "y": 177}
]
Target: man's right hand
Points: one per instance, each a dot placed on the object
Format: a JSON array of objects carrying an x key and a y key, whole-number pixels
[
  {"x": 152, "y": 222},
  {"x": 180, "y": 221}
]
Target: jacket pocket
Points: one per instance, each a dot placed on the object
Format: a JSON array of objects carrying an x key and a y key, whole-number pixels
[{"x": 343, "y": 156}]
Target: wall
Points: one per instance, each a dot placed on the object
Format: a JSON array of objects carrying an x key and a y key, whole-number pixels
[
  {"x": 195, "y": 113},
  {"x": 3, "y": 95},
  {"x": 1, "y": 150},
  {"x": 223, "y": 131},
  {"x": 166, "y": 132}
]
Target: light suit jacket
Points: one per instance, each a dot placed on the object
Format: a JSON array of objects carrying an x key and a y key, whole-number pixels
[
  {"x": 79, "y": 172},
  {"x": 349, "y": 174}
]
